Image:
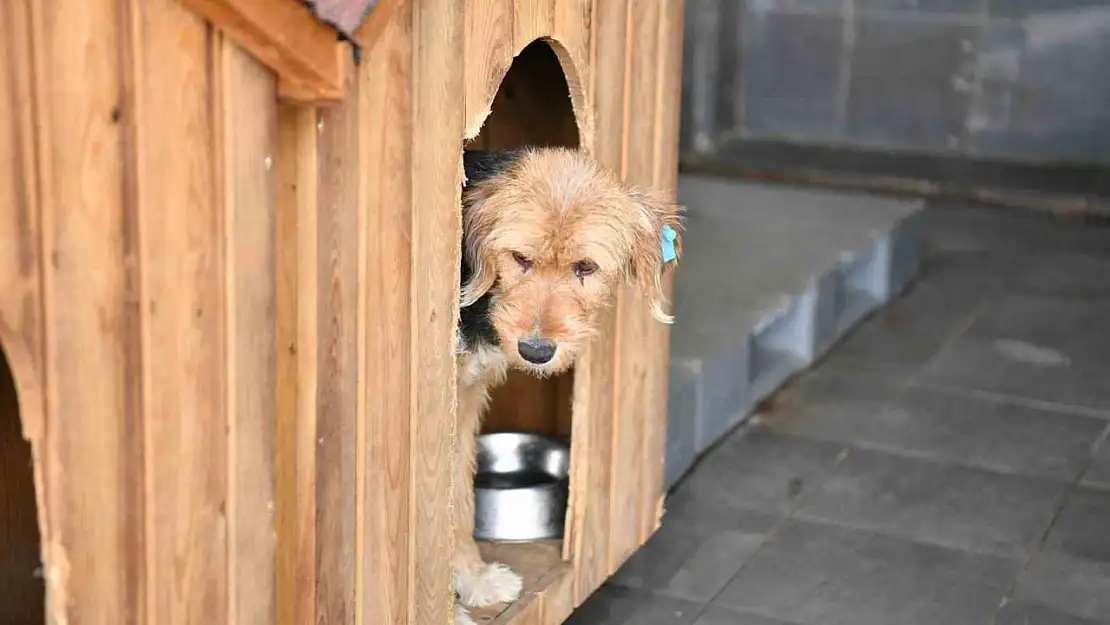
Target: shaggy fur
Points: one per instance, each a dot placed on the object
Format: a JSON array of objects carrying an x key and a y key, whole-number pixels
[{"x": 548, "y": 236}]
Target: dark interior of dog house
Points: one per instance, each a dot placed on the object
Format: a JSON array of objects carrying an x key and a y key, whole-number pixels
[{"x": 21, "y": 577}]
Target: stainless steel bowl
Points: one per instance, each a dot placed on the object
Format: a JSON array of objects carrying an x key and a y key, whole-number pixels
[{"x": 521, "y": 487}]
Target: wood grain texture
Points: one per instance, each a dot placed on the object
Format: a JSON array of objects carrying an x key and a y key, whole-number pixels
[
  {"x": 337, "y": 358},
  {"x": 558, "y": 601},
  {"x": 288, "y": 515},
  {"x": 532, "y": 19},
  {"x": 297, "y": 322},
  {"x": 268, "y": 299},
  {"x": 668, "y": 96},
  {"x": 437, "y": 91},
  {"x": 385, "y": 495},
  {"x": 488, "y": 53},
  {"x": 572, "y": 29},
  {"x": 287, "y": 37},
  {"x": 637, "y": 417},
  {"x": 525, "y": 403},
  {"x": 592, "y": 449},
  {"x": 181, "y": 234},
  {"x": 94, "y": 471},
  {"x": 246, "y": 128},
  {"x": 378, "y": 20}
]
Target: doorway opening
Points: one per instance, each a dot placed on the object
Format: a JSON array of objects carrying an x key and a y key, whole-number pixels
[{"x": 22, "y": 586}]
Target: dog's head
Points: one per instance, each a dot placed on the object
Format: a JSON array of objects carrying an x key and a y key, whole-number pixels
[{"x": 549, "y": 235}]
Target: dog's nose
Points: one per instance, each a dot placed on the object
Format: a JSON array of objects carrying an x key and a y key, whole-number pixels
[{"x": 536, "y": 350}]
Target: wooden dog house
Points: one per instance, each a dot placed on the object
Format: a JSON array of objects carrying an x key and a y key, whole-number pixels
[{"x": 229, "y": 256}]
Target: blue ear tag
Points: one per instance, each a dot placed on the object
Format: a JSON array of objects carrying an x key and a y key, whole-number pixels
[{"x": 668, "y": 243}]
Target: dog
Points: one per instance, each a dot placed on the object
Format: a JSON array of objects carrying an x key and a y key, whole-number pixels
[{"x": 548, "y": 236}]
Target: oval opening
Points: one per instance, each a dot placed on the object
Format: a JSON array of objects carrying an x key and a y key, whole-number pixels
[{"x": 21, "y": 581}]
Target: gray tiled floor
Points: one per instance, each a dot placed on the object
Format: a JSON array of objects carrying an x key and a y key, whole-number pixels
[{"x": 948, "y": 463}]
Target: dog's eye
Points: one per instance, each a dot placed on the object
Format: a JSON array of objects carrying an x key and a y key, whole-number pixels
[
  {"x": 520, "y": 259},
  {"x": 584, "y": 268}
]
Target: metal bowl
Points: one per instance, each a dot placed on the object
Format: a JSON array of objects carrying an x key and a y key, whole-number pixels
[{"x": 521, "y": 487}]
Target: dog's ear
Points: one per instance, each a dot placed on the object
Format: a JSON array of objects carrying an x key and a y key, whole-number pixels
[
  {"x": 658, "y": 232},
  {"x": 477, "y": 221}
]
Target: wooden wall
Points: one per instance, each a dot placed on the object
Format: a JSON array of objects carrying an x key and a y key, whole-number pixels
[
  {"x": 138, "y": 318},
  {"x": 228, "y": 319}
]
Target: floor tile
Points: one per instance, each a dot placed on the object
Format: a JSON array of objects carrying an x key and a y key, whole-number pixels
[
  {"x": 1083, "y": 528},
  {"x": 613, "y": 605},
  {"x": 945, "y": 426},
  {"x": 1067, "y": 585},
  {"x": 1026, "y": 613},
  {"x": 902, "y": 337},
  {"x": 1065, "y": 275},
  {"x": 716, "y": 615},
  {"x": 824, "y": 575},
  {"x": 756, "y": 470},
  {"x": 1078, "y": 329},
  {"x": 949, "y": 505},
  {"x": 1050, "y": 349},
  {"x": 1098, "y": 473},
  {"x": 693, "y": 555}
]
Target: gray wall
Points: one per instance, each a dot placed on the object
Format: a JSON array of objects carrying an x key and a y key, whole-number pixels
[{"x": 1025, "y": 80}]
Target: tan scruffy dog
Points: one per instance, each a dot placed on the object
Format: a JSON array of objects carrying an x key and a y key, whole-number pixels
[{"x": 548, "y": 235}]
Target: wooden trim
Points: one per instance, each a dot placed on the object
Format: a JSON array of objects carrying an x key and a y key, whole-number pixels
[
  {"x": 306, "y": 55},
  {"x": 381, "y": 15}
]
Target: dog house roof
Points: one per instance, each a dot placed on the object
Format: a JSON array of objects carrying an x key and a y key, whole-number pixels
[{"x": 343, "y": 15}]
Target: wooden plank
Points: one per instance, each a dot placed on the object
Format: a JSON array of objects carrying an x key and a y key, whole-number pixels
[
  {"x": 558, "y": 601},
  {"x": 376, "y": 23},
  {"x": 295, "y": 455},
  {"x": 571, "y": 29},
  {"x": 181, "y": 239},
  {"x": 247, "y": 125},
  {"x": 289, "y": 515},
  {"x": 665, "y": 177},
  {"x": 488, "y": 53},
  {"x": 532, "y": 20},
  {"x": 337, "y": 358},
  {"x": 635, "y": 357},
  {"x": 287, "y": 37},
  {"x": 385, "y": 458},
  {"x": 524, "y": 403},
  {"x": 94, "y": 425},
  {"x": 573, "y": 33},
  {"x": 595, "y": 383},
  {"x": 437, "y": 90}
]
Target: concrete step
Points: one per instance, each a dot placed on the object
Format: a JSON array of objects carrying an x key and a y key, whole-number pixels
[{"x": 771, "y": 277}]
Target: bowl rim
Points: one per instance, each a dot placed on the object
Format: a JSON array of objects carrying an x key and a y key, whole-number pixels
[{"x": 561, "y": 445}]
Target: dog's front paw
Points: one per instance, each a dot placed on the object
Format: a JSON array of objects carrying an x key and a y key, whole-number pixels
[
  {"x": 462, "y": 617},
  {"x": 489, "y": 584}
]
